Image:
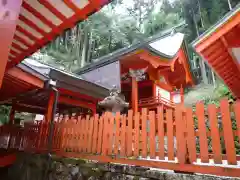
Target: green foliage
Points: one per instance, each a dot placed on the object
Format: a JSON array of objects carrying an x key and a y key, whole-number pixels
[
  {"x": 4, "y": 114},
  {"x": 121, "y": 24},
  {"x": 220, "y": 92}
]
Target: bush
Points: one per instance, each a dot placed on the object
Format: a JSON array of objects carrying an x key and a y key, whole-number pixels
[{"x": 4, "y": 114}]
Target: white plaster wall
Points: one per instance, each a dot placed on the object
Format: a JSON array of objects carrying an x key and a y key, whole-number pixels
[
  {"x": 236, "y": 53},
  {"x": 163, "y": 92},
  {"x": 177, "y": 98}
]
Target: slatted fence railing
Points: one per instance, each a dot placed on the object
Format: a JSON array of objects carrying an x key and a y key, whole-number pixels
[{"x": 203, "y": 140}]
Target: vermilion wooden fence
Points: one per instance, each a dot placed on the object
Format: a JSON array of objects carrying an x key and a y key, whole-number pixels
[{"x": 203, "y": 140}]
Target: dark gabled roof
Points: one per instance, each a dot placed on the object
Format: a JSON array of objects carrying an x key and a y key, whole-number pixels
[
  {"x": 115, "y": 56},
  {"x": 65, "y": 80}
]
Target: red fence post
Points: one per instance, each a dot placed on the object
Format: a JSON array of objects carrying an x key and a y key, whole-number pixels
[
  {"x": 228, "y": 132},
  {"x": 152, "y": 132},
  {"x": 170, "y": 138},
  {"x": 100, "y": 135},
  {"x": 129, "y": 132},
  {"x": 216, "y": 146},
  {"x": 191, "y": 138},
  {"x": 180, "y": 128},
  {"x": 144, "y": 133},
  {"x": 237, "y": 115},
  {"x": 123, "y": 136},
  {"x": 136, "y": 134},
  {"x": 111, "y": 132},
  {"x": 161, "y": 133},
  {"x": 202, "y": 132},
  {"x": 118, "y": 118},
  {"x": 95, "y": 133}
]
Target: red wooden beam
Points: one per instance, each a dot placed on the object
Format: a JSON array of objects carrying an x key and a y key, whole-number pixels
[
  {"x": 10, "y": 58},
  {"x": 231, "y": 37},
  {"x": 155, "y": 61},
  {"x": 48, "y": 115},
  {"x": 67, "y": 23},
  {"x": 167, "y": 86},
  {"x": 26, "y": 77},
  {"x": 227, "y": 71},
  {"x": 32, "y": 25},
  {"x": 30, "y": 109},
  {"x": 221, "y": 59},
  {"x": 13, "y": 81},
  {"x": 89, "y": 8},
  {"x": 216, "y": 55},
  {"x": 51, "y": 8},
  {"x": 96, "y": 4},
  {"x": 186, "y": 67},
  {"x": 77, "y": 103},
  {"x": 26, "y": 33},
  {"x": 228, "y": 67},
  {"x": 221, "y": 65},
  {"x": 14, "y": 53},
  {"x": 16, "y": 46},
  {"x": 225, "y": 66},
  {"x": 228, "y": 76},
  {"x": 8, "y": 21},
  {"x": 234, "y": 43},
  {"x": 40, "y": 17},
  {"x": 221, "y": 31},
  {"x": 213, "y": 48},
  {"x": 23, "y": 41},
  {"x": 78, "y": 95},
  {"x": 72, "y": 6},
  {"x": 8, "y": 159},
  {"x": 232, "y": 57}
]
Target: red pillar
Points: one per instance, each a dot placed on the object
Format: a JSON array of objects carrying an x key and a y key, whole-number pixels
[
  {"x": 182, "y": 94},
  {"x": 48, "y": 115},
  {"x": 45, "y": 129},
  {"x": 171, "y": 96},
  {"x": 9, "y": 11},
  {"x": 134, "y": 95},
  {"x": 154, "y": 89}
]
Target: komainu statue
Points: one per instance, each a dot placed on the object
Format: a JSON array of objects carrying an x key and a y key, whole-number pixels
[{"x": 115, "y": 102}]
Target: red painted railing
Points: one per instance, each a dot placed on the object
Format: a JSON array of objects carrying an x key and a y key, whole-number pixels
[
  {"x": 205, "y": 140},
  {"x": 156, "y": 101}
]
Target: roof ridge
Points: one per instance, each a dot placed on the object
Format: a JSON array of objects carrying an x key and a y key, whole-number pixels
[{"x": 112, "y": 57}]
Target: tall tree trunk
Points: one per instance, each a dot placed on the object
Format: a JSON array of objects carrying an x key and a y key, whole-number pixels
[
  {"x": 90, "y": 47},
  {"x": 203, "y": 71},
  {"x": 195, "y": 23},
  {"x": 229, "y": 4},
  {"x": 200, "y": 13},
  {"x": 85, "y": 46},
  {"x": 213, "y": 79}
]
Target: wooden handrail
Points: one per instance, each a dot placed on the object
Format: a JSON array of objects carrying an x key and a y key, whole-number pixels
[{"x": 157, "y": 101}]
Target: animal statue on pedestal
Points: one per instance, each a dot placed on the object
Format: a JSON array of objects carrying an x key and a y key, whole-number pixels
[{"x": 115, "y": 102}]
